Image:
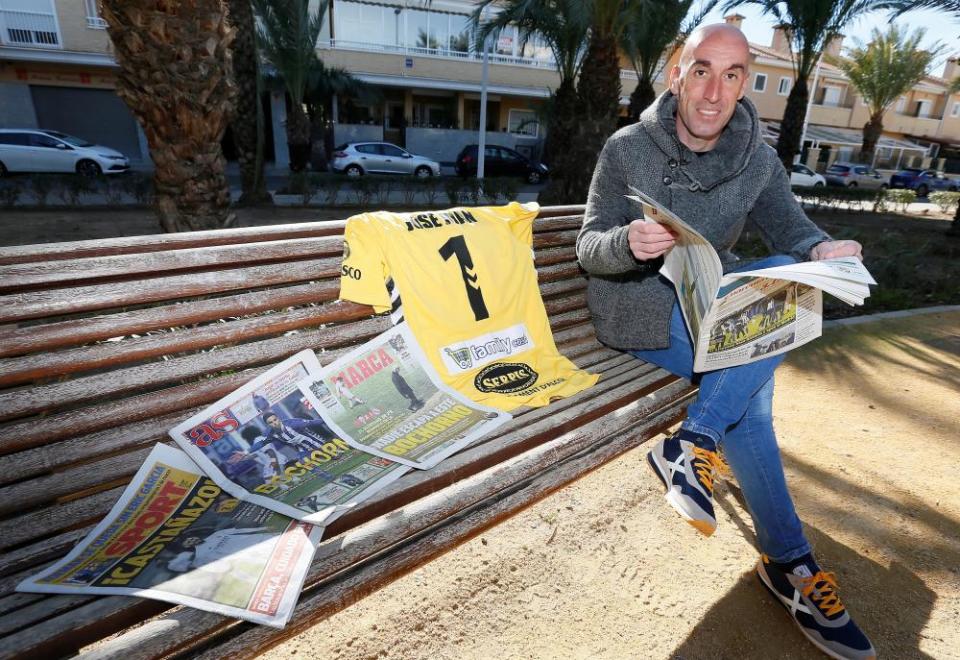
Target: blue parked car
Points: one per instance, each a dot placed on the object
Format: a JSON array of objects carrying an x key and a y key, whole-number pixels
[{"x": 922, "y": 181}]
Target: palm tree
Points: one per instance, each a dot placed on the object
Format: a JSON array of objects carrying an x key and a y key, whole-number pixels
[
  {"x": 563, "y": 26},
  {"x": 810, "y": 25},
  {"x": 176, "y": 76},
  {"x": 652, "y": 39},
  {"x": 287, "y": 36},
  {"x": 247, "y": 124},
  {"x": 891, "y": 64},
  {"x": 598, "y": 100}
]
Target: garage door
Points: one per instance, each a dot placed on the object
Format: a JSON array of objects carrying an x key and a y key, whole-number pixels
[{"x": 97, "y": 115}]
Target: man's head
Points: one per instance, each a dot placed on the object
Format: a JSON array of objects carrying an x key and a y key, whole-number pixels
[
  {"x": 272, "y": 420},
  {"x": 708, "y": 81}
]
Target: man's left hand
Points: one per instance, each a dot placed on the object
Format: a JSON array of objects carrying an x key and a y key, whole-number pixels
[{"x": 834, "y": 249}]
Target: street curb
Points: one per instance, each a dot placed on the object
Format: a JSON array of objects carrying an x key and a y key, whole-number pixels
[{"x": 883, "y": 316}]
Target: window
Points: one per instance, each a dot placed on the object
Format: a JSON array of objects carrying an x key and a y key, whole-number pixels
[
  {"x": 785, "y": 84},
  {"x": 923, "y": 108},
  {"x": 956, "y": 110},
  {"x": 43, "y": 141},
  {"x": 901, "y": 104},
  {"x": 93, "y": 15},
  {"x": 20, "y": 139},
  {"x": 523, "y": 122},
  {"x": 831, "y": 96},
  {"x": 759, "y": 82},
  {"x": 392, "y": 151},
  {"x": 367, "y": 149}
]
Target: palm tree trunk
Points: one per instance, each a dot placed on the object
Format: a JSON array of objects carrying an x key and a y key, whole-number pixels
[
  {"x": 298, "y": 137},
  {"x": 176, "y": 76},
  {"x": 247, "y": 136},
  {"x": 641, "y": 98},
  {"x": 872, "y": 131},
  {"x": 598, "y": 100},
  {"x": 791, "y": 128},
  {"x": 562, "y": 111}
]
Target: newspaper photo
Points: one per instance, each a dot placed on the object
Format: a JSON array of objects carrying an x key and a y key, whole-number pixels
[
  {"x": 265, "y": 443},
  {"x": 748, "y": 315},
  {"x": 176, "y": 536},
  {"x": 385, "y": 398}
]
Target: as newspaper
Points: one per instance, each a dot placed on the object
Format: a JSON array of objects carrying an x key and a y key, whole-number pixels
[
  {"x": 265, "y": 443},
  {"x": 749, "y": 315},
  {"x": 384, "y": 398},
  {"x": 176, "y": 536}
]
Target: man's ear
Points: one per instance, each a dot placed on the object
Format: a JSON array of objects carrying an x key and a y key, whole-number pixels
[{"x": 675, "y": 79}]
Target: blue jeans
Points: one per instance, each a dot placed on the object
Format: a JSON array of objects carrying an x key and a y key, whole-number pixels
[{"x": 734, "y": 407}]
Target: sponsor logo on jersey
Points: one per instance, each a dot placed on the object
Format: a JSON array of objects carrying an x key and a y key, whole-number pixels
[
  {"x": 478, "y": 351},
  {"x": 505, "y": 377}
]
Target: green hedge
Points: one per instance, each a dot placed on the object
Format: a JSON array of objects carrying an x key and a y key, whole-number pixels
[
  {"x": 854, "y": 200},
  {"x": 329, "y": 189}
]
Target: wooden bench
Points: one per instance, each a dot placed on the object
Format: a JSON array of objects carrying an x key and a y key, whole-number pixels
[{"x": 104, "y": 345}]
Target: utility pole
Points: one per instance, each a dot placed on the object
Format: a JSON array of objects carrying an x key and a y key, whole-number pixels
[
  {"x": 482, "y": 141},
  {"x": 813, "y": 91}
]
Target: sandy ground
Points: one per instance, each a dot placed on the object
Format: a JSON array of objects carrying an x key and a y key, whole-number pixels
[{"x": 868, "y": 420}]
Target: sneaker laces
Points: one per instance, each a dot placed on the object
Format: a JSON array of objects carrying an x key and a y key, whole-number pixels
[
  {"x": 821, "y": 589},
  {"x": 706, "y": 464}
]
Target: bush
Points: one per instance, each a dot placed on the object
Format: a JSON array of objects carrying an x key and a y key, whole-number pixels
[
  {"x": 901, "y": 198},
  {"x": 41, "y": 185},
  {"x": 71, "y": 187},
  {"x": 140, "y": 186},
  {"x": 945, "y": 200},
  {"x": 10, "y": 191}
]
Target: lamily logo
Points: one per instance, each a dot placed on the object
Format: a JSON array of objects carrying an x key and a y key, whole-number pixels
[{"x": 505, "y": 377}]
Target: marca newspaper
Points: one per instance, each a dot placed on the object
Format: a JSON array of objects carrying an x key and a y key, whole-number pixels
[
  {"x": 748, "y": 315},
  {"x": 176, "y": 536},
  {"x": 265, "y": 443},
  {"x": 386, "y": 399}
]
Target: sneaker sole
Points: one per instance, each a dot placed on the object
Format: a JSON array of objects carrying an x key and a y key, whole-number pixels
[
  {"x": 673, "y": 499},
  {"x": 765, "y": 581}
]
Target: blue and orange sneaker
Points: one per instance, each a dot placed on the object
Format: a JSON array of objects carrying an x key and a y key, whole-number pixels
[
  {"x": 810, "y": 596},
  {"x": 687, "y": 463}
]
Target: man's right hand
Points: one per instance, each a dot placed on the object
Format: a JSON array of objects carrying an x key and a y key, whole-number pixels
[{"x": 649, "y": 240}]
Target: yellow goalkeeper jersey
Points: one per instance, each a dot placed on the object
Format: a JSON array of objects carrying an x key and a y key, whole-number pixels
[{"x": 465, "y": 282}]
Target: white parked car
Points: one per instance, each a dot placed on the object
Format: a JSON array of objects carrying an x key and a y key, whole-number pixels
[
  {"x": 801, "y": 175},
  {"x": 358, "y": 158},
  {"x": 34, "y": 150}
]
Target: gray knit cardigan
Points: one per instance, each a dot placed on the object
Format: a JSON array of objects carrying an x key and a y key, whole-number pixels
[{"x": 715, "y": 192}]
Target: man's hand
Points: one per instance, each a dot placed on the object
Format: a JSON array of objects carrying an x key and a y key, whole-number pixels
[
  {"x": 649, "y": 240},
  {"x": 834, "y": 249}
]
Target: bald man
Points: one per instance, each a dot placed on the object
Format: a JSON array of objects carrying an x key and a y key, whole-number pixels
[{"x": 698, "y": 150}]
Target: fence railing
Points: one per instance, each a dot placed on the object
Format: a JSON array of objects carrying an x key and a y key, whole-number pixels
[
  {"x": 444, "y": 53},
  {"x": 33, "y": 29}
]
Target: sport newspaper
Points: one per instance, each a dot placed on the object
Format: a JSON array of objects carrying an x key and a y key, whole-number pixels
[
  {"x": 175, "y": 536},
  {"x": 746, "y": 316},
  {"x": 265, "y": 443},
  {"x": 385, "y": 398}
]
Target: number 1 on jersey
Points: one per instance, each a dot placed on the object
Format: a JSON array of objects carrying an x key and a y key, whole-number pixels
[{"x": 457, "y": 246}]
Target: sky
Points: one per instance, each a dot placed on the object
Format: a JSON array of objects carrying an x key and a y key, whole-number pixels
[{"x": 939, "y": 26}]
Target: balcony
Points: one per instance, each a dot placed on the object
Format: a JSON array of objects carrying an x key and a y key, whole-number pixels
[
  {"x": 443, "y": 53},
  {"x": 830, "y": 115},
  {"x": 29, "y": 29}
]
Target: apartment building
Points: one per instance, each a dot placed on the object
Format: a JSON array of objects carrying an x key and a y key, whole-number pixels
[{"x": 424, "y": 79}]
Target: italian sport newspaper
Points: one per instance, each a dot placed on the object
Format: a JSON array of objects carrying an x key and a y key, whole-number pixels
[
  {"x": 265, "y": 443},
  {"x": 176, "y": 536},
  {"x": 385, "y": 398}
]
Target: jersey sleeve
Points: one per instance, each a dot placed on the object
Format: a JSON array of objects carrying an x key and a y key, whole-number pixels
[
  {"x": 364, "y": 271},
  {"x": 520, "y": 220}
]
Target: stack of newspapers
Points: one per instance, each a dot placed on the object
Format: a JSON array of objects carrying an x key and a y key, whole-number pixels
[{"x": 228, "y": 519}]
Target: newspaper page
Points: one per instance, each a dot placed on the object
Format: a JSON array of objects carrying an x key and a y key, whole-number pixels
[
  {"x": 692, "y": 265},
  {"x": 265, "y": 443},
  {"x": 757, "y": 317},
  {"x": 386, "y": 399},
  {"x": 175, "y": 536}
]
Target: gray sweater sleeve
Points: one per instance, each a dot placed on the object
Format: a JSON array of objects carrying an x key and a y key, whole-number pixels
[
  {"x": 602, "y": 246},
  {"x": 781, "y": 220}
]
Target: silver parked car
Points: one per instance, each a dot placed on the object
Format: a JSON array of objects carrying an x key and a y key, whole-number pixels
[
  {"x": 854, "y": 175},
  {"x": 34, "y": 150},
  {"x": 358, "y": 158}
]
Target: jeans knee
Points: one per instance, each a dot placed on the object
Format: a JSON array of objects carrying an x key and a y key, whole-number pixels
[{"x": 779, "y": 260}]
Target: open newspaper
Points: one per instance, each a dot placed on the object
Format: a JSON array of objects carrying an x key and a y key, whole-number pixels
[
  {"x": 265, "y": 443},
  {"x": 752, "y": 314},
  {"x": 176, "y": 536},
  {"x": 385, "y": 398}
]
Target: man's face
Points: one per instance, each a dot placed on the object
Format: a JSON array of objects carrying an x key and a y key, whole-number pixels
[
  {"x": 711, "y": 78},
  {"x": 273, "y": 422}
]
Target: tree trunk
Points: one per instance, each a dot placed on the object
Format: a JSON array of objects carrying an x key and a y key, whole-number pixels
[
  {"x": 176, "y": 76},
  {"x": 598, "y": 101},
  {"x": 247, "y": 135},
  {"x": 872, "y": 131},
  {"x": 641, "y": 98},
  {"x": 791, "y": 126},
  {"x": 562, "y": 110},
  {"x": 298, "y": 137}
]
